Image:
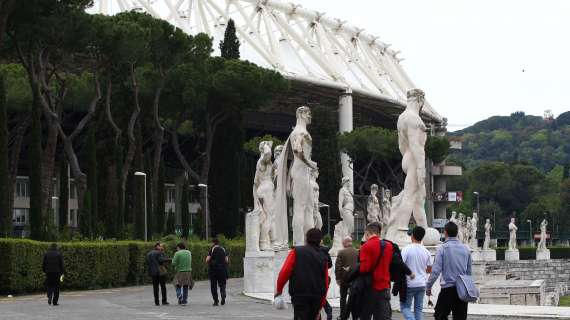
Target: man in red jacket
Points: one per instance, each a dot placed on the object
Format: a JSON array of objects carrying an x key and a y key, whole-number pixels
[
  {"x": 377, "y": 262},
  {"x": 306, "y": 269}
]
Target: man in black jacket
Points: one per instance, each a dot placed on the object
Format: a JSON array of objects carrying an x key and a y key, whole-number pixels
[
  {"x": 155, "y": 259},
  {"x": 52, "y": 266},
  {"x": 306, "y": 269}
]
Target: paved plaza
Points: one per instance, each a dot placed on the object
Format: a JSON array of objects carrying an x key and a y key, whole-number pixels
[{"x": 137, "y": 303}]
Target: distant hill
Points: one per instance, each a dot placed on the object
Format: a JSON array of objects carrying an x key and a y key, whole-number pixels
[{"x": 517, "y": 138}]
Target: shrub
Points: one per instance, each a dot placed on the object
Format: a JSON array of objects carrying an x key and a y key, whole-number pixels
[{"x": 102, "y": 264}]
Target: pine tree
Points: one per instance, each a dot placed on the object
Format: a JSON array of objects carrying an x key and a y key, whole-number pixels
[
  {"x": 93, "y": 222},
  {"x": 35, "y": 156},
  {"x": 159, "y": 207},
  {"x": 566, "y": 172},
  {"x": 229, "y": 47},
  {"x": 185, "y": 212},
  {"x": 5, "y": 216},
  {"x": 63, "y": 193}
]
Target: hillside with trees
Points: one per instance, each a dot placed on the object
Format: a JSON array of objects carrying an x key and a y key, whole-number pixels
[
  {"x": 518, "y": 138},
  {"x": 519, "y": 165}
]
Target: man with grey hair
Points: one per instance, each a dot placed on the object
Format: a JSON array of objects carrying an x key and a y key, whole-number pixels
[{"x": 346, "y": 260}]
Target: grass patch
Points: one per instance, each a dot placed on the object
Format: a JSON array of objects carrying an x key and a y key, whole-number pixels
[{"x": 564, "y": 301}]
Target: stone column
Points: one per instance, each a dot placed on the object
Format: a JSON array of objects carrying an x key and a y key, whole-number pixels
[{"x": 345, "y": 124}]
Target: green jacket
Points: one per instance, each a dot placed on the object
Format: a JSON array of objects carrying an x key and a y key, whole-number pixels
[{"x": 182, "y": 261}]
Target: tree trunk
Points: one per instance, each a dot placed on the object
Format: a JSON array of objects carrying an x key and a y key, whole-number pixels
[
  {"x": 48, "y": 167},
  {"x": 5, "y": 212},
  {"x": 158, "y": 139},
  {"x": 126, "y": 168},
  {"x": 15, "y": 152},
  {"x": 36, "y": 215}
]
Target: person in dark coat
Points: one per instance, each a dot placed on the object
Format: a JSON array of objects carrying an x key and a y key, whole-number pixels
[
  {"x": 52, "y": 266},
  {"x": 156, "y": 259},
  {"x": 217, "y": 261},
  {"x": 328, "y": 308}
]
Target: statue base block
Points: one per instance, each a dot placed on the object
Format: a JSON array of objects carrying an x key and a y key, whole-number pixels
[
  {"x": 489, "y": 255},
  {"x": 258, "y": 269},
  {"x": 512, "y": 255},
  {"x": 401, "y": 238},
  {"x": 476, "y": 255},
  {"x": 543, "y": 254}
]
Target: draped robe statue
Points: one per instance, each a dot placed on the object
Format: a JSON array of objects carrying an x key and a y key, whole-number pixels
[
  {"x": 512, "y": 235},
  {"x": 487, "y": 242},
  {"x": 373, "y": 206},
  {"x": 542, "y": 243},
  {"x": 411, "y": 141},
  {"x": 296, "y": 181},
  {"x": 344, "y": 228}
]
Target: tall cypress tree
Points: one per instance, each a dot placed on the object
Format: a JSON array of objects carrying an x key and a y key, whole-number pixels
[
  {"x": 229, "y": 47},
  {"x": 35, "y": 165},
  {"x": 5, "y": 216}
]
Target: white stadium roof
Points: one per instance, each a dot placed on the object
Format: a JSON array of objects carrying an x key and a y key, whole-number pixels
[{"x": 301, "y": 44}]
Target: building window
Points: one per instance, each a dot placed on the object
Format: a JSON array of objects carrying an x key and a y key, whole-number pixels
[
  {"x": 171, "y": 195},
  {"x": 22, "y": 189},
  {"x": 20, "y": 216}
]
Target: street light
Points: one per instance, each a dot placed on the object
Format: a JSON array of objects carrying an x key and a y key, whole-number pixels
[
  {"x": 142, "y": 174},
  {"x": 207, "y": 211},
  {"x": 54, "y": 207},
  {"x": 477, "y": 194},
  {"x": 530, "y": 232}
]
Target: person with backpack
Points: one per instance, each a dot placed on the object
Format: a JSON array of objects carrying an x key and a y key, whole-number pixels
[
  {"x": 452, "y": 262},
  {"x": 306, "y": 268},
  {"x": 418, "y": 259},
  {"x": 217, "y": 261},
  {"x": 380, "y": 258}
]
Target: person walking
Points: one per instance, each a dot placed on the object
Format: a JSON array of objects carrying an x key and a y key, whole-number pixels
[
  {"x": 182, "y": 263},
  {"x": 217, "y": 261},
  {"x": 452, "y": 259},
  {"x": 346, "y": 261},
  {"x": 306, "y": 270},
  {"x": 156, "y": 260},
  {"x": 52, "y": 266},
  {"x": 380, "y": 258},
  {"x": 417, "y": 258}
]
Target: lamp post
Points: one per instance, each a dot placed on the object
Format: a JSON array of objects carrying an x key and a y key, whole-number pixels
[
  {"x": 530, "y": 232},
  {"x": 477, "y": 194},
  {"x": 143, "y": 175},
  {"x": 54, "y": 208},
  {"x": 207, "y": 211}
]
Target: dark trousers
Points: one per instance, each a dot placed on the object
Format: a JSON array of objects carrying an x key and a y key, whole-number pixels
[
  {"x": 182, "y": 294},
  {"x": 306, "y": 308},
  {"x": 343, "y": 293},
  {"x": 52, "y": 284},
  {"x": 156, "y": 280},
  {"x": 328, "y": 310},
  {"x": 378, "y": 306},
  {"x": 448, "y": 302},
  {"x": 216, "y": 282}
]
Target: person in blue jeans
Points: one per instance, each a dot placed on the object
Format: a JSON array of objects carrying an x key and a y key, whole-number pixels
[{"x": 418, "y": 259}]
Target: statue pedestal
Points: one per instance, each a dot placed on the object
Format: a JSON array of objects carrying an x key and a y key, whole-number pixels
[
  {"x": 476, "y": 255},
  {"x": 543, "y": 254},
  {"x": 489, "y": 255},
  {"x": 258, "y": 271},
  {"x": 512, "y": 255}
]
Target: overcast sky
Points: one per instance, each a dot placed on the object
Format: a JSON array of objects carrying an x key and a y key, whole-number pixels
[{"x": 474, "y": 58}]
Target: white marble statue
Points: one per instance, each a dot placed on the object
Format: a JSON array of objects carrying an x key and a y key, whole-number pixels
[
  {"x": 473, "y": 237},
  {"x": 467, "y": 231},
  {"x": 318, "y": 220},
  {"x": 263, "y": 195},
  {"x": 276, "y": 159},
  {"x": 461, "y": 227},
  {"x": 386, "y": 209},
  {"x": 373, "y": 206},
  {"x": 542, "y": 243},
  {"x": 512, "y": 235},
  {"x": 487, "y": 242},
  {"x": 296, "y": 181},
  {"x": 345, "y": 227},
  {"x": 411, "y": 141}
]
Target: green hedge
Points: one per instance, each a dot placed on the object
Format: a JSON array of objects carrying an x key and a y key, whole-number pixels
[
  {"x": 528, "y": 253},
  {"x": 92, "y": 265}
]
